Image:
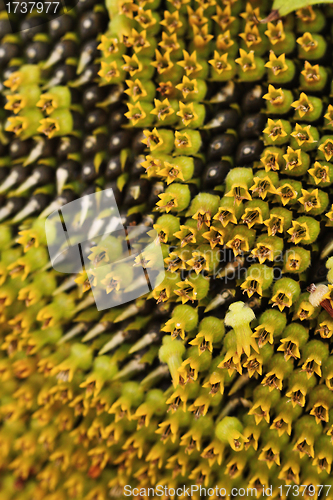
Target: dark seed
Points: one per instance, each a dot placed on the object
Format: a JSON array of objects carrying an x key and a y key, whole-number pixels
[
  {"x": 222, "y": 145},
  {"x": 248, "y": 152}
]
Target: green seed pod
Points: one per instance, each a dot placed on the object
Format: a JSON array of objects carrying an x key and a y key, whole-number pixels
[
  {"x": 175, "y": 198},
  {"x": 143, "y": 90},
  {"x": 26, "y": 124},
  {"x": 56, "y": 97},
  {"x": 310, "y": 19},
  {"x": 238, "y": 182},
  {"x": 279, "y": 220},
  {"x": 203, "y": 207},
  {"x": 285, "y": 292},
  {"x": 159, "y": 141},
  {"x": 289, "y": 191},
  {"x": 196, "y": 287},
  {"x": 229, "y": 431},
  {"x": 271, "y": 325},
  {"x": 313, "y": 78},
  {"x": 296, "y": 162},
  {"x": 305, "y": 230},
  {"x": 166, "y": 226},
  {"x": 251, "y": 68},
  {"x": 285, "y": 417},
  {"x": 189, "y": 233},
  {"x": 241, "y": 239},
  {"x": 80, "y": 357},
  {"x": 27, "y": 97},
  {"x": 184, "y": 319},
  {"x": 278, "y": 101},
  {"x": 314, "y": 202},
  {"x": 285, "y": 46},
  {"x": 278, "y": 369},
  {"x": 324, "y": 325},
  {"x": 321, "y": 174},
  {"x": 193, "y": 365},
  {"x": 268, "y": 248},
  {"x": 299, "y": 385},
  {"x": 28, "y": 263},
  {"x": 187, "y": 142},
  {"x": 308, "y": 109},
  {"x": 154, "y": 404},
  {"x": 304, "y": 137},
  {"x": 28, "y": 74},
  {"x": 304, "y": 310},
  {"x": 264, "y": 183},
  {"x": 177, "y": 169},
  {"x": 323, "y": 455},
  {"x": 280, "y": 70},
  {"x": 276, "y": 132},
  {"x": 263, "y": 401},
  {"x": 171, "y": 352},
  {"x": 258, "y": 279},
  {"x": 296, "y": 260},
  {"x": 223, "y": 67},
  {"x": 314, "y": 354},
  {"x": 192, "y": 90},
  {"x": 204, "y": 258},
  {"x": 311, "y": 47},
  {"x": 306, "y": 433},
  {"x": 295, "y": 337},
  {"x": 255, "y": 212},
  {"x": 228, "y": 211},
  {"x": 272, "y": 158},
  {"x": 325, "y": 148},
  {"x": 59, "y": 122},
  {"x": 320, "y": 402},
  {"x": 211, "y": 331},
  {"x": 192, "y": 114}
]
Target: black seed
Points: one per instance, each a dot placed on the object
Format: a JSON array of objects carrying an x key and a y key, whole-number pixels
[
  {"x": 137, "y": 168},
  {"x": 4, "y": 172},
  {"x": 91, "y": 23},
  {"x": 157, "y": 189},
  {"x": 37, "y": 51},
  {"x": 5, "y": 27},
  {"x": 30, "y": 27},
  {"x": 222, "y": 145},
  {"x": 45, "y": 174},
  {"x": 92, "y": 95},
  {"x": 8, "y": 51},
  {"x": 252, "y": 126},
  {"x": 65, "y": 73},
  {"x": 248, "y": 152},
  {"x": 68, "y": 145},
  {"x": 215, "y": 173},
  {"x": 19, "y": 148},
  {"x": 96, "y": 118},
  {"x": 137, "y": 146},
  {"x": 222, "y": 120},
  {"x": 118, "y": 117},
  {"x": 118, "y": 195},
  {"x": 252, "y": 100},
  {"x": 61, "y": 25},
  {"x": 119, "y": 140},
  {"x": 92, "y": 144},
  {"x": 89, "y": 172},
  {"x": 83, "y": 5},
  {"x": 137, "y": 192}
]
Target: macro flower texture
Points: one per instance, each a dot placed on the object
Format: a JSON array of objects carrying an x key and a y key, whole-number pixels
[{"x": 212, "y": 123}]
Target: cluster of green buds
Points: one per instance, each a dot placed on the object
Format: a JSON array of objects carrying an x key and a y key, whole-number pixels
[{"x": 22, "y": 98}]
